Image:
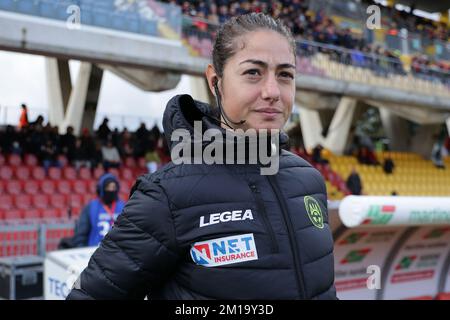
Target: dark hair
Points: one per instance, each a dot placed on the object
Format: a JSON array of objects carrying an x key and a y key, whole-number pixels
[{"x": 225, "y": 46}]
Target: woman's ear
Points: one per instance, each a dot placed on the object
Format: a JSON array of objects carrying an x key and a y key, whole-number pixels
[{"x": 211, "y": 77}]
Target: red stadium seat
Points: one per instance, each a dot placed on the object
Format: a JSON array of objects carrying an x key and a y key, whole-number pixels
[
  {"x": 38, "y": 173},
  {"x": 50, "y": 213},
  {"x": 88, "y": 198},
  {"x": 130, "y": 162},
  {"x": 54, "y": 173},
  {"x": 58, "y": 201},
  {"x": 13, "y": 215},
  {"x": 70, "y": 173},
  {"x": 31, "y": 187},
  {"x": 40, "y": 201},
  {"x": 98, "y": 172},
  {"x": 14, "y": 160},
  {"x": 142, "y": 164},
  {"x": 6, "y": 201},
  {"x": 14, "y": 187},
  {"x": 114, "y": 172},
  {"x": 22, "y": 201},
  {"x": 127, "y": 174},
  {"x": 64, "y": 186},
  {"x": 22, "y": 173},
  {"x": 79, "y": 186},
  {"x": 48, "y": 187},
  {"x": 91, "y": 186},
  {"x": 6, "y": 173},
  {"x": 31, "y": 214},
  {"x": 75, "y": 203},
  {"x": 2, "y": 160},
  {"x": 2, "y": 187},
  {"x": 31, "y": 160},
  {"x": 84, "y": 173}
]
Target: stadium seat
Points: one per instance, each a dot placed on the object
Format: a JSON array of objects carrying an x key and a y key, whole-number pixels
[
  {"x": 142, "y": 164},
  {"x": 64, "y": 186},
  {"x": 75, "y": 204},
  {"x": 58, "y": 201},
  {"x": 126, "y": 173},
  {"x": 14, "y": 160},
  {"x": 6, "y": 201},
  {"x": 50, "y": 214},
  {"x": 2, "y": 160},
  {"x": 70, "y": 173},
  {"x": 30, "y": 160},
  {"x": 130, "y": 162},
  {"x": 98, "y": 172},
  {"x": 114, "y": 172},
  {"x": 54, "y": 173},
  {"x": 48, "y": 186},
  {"x": 40, "y": 201},
  {"x": 31, "y": 186},
  {"x": 79, "y": 187},
  {"x": 91, "y": 186},
  {"x": 6, "y": 173},
  {"x": 22, "y": 173},
  {"x": 2, "y": 187},
  {"x": 84, "y": 173},
  {"x": 13, "y": 214},
  {"x": 31, "y": 214},
  {"x": 14, "y": 187},
  {"x": 38, "y": 173},
  {"x": 22, "y": 201}
]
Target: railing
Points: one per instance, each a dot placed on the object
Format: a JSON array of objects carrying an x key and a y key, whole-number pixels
[
  {"x": 9, "y": 115},
  {"x": 199, "y": 34},
  {"x": 32, "y": 239},
  {"x": 148, "y": 18}
]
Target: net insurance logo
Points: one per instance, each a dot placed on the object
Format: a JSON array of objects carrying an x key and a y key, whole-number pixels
[{"x": 226, "y": 250}]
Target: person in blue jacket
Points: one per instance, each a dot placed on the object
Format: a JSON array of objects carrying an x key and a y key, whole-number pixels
[{"x": 99, "y": 215}]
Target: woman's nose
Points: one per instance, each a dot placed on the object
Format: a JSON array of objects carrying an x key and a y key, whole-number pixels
[{"x": 271, "y": 90}]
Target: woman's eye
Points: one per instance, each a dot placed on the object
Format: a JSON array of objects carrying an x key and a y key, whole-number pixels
[
  {"x": 287, "y": 75},
  {"x": 253, "y": 72}
]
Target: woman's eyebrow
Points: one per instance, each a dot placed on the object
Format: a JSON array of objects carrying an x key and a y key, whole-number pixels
[{"x": 264, "y": 64}]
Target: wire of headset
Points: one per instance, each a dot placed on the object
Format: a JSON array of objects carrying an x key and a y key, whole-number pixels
[{"x": 222, "y": 111}]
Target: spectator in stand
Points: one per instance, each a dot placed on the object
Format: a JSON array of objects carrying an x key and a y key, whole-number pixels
[
  {"x": 23, "y": 121},
  {"x": 38, "y": 124},
  {"x": 317, "y": 155},
  {"x": 152, "y": 159},
  {"x": 126, "y": 148},
  {"x": 79, "y": 157},
  {"x": 354, "y": 183},
  {"x": 436, "y": 155},
  {"x": 68, "y": 144},
  {"x": 388, "y": 166},
  {"x": 49, "y": 155},
  {"x": 97, "y": 155},
  {"x": 110, "y": 154},
  {"x": 103, "y": 131}
]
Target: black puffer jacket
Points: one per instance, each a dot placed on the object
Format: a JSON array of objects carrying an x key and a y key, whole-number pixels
[{"x": 216, "y": 231}]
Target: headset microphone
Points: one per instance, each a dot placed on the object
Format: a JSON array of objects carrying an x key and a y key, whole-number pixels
[{"x": 222, "y": 112}]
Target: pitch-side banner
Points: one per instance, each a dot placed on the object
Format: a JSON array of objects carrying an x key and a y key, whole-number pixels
[{"x": 382, "y": 211}]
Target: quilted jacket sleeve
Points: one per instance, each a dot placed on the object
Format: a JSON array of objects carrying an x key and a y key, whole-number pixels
[{"x": 137, "y": 255}]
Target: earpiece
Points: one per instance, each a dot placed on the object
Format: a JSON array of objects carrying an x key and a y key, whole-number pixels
[{"x": 219, "y": 105}]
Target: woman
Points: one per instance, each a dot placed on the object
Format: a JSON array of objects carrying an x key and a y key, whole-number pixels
[{"x": 224, "y": 231}]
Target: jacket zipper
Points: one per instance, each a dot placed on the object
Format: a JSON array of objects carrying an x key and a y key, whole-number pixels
[
  {"x": 291, "y": 234},
  {"x": 262, "y": 210}
]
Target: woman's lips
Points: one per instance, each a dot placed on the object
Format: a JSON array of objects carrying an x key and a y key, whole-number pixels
[{"x": 269, "y": 112}]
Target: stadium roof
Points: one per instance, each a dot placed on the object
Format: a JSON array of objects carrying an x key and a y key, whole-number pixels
[{"x": 427, "y": 5}]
